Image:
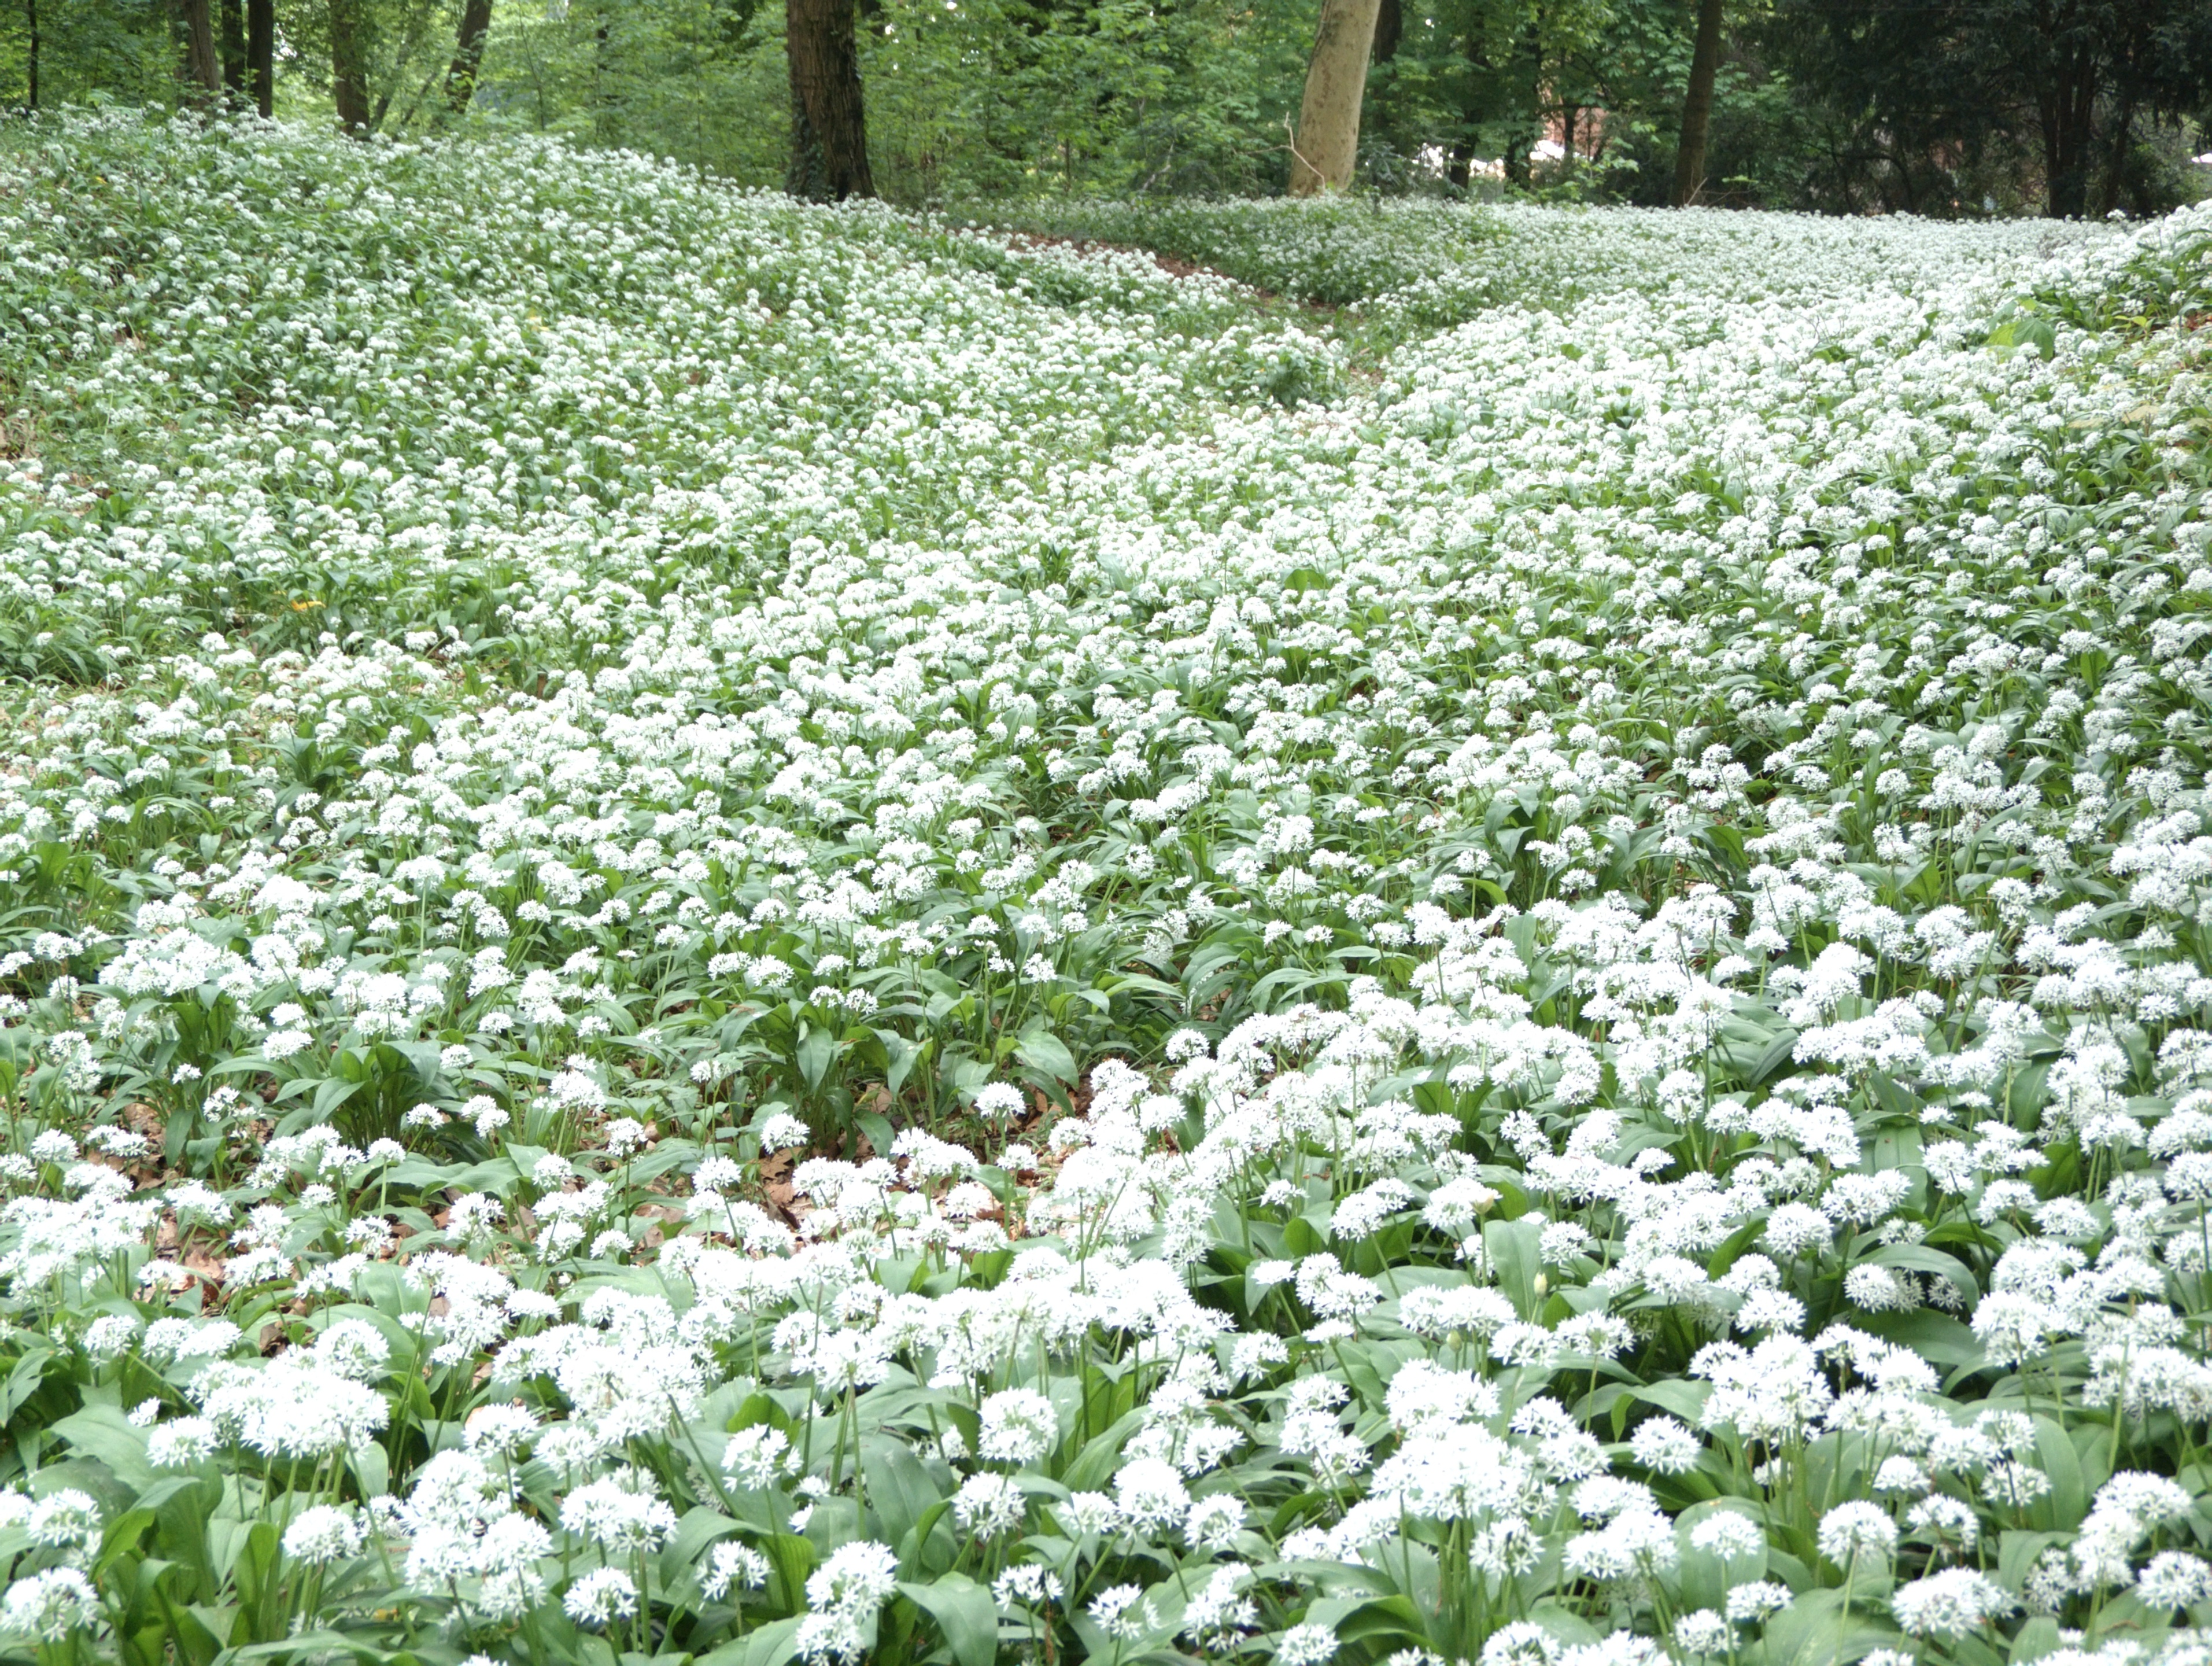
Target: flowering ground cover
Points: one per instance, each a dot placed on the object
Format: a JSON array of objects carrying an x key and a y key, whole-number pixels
[{"x": 751, "y": 933}]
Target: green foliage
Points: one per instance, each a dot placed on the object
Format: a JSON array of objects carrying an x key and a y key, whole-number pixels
[{"x": 1833, "y": 105}]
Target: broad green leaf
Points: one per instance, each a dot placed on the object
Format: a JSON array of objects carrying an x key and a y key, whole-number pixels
[{"x": 964, "y": 1612}]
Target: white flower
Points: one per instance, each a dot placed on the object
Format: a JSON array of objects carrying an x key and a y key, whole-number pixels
[
  {"x": 999, "y": 1102},
  {"x": 858, "y": 1578},
  {"x": 1949, "y": 1603},
  {"x": 322, "y": 1534},
  {"x": 732, "y": 1565},
  {"x": 1662, "y": 1444},
  {"x": 1019, "y": 1427},
  {"x": 1856, "y": 1528},
  {"x": 987, "y": 1506},
  {"x": 755, "y": 1456},
  {"x": 64, "y": 1519},
  {"x": 1149, "y": 1496},
  {"x": 600, "y": 1597},
  {"x": 1728, "y": 1534},
  {"x": 49, "y": 1605}
]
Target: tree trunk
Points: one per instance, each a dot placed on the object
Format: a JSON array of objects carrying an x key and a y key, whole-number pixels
[
  {"x": 31, "y": 63},
  {"x": 1697, "y": 106},
  {"x": 202, "y": 68},
  {"x": 2116, "y": 167},
  {"x": 233, "y": 52},
  {"x": 2068, "y": 109},
  {"x": 1389, "y": 30},
  {"x": 603, "y": 121},
  {"x": 261, "y": 55},
  {"x": 828, "y": 124},
  {"x": 468, "y": 54},
  {"x": 1326, "y": 146},
  {"x": 350, "y": 68}
]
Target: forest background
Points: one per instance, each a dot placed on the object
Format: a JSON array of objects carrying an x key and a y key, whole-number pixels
[{"x": 1937, "y": 107}]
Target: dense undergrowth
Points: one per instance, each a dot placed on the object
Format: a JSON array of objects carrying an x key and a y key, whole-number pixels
[
  {"x": 1401, "y": 270},
  {"x": 743, "y": 933}
]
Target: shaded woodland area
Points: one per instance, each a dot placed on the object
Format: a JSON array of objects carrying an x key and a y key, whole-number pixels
[{"x": 1937, "y": 107}]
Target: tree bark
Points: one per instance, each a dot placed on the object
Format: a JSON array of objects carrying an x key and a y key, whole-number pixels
[
  {"x": 829, "y": 122},
  {"x": 349, "y": 69},
  {"x": 1327, "y": 146},
  {"x": 1697, "y": 106},
  {"x": 2068, "y": 110},
  {"x": 468, "y": 54},
  {"x": 2116, "y": 167},
  {"x": 31, "y": 63},
  {"x": 261, "y": 55},
  {"x": 232, "y": 44},
  {"x": 202, "y": 68},
  {"x": 1389, "y": 30}
]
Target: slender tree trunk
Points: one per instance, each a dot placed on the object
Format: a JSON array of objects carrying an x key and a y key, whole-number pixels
[
  {"x": 2068, "y": 110},
  {"x": 1326, "y": 146},
  {"x": 2116, "y": 167},
  {"x": 350, "y": 68},
  {"x": 1697, "y": 106},
  {"x": 468, "y": 54},
  {"x": 202, "y": 68},
  {"x": 233, "y": 52},
  {"x": 31, "y": 20},
  {"x": 602, "y": 105},
  {"x": 829, "y": 122},
  {"x": 261, "y": 55}
]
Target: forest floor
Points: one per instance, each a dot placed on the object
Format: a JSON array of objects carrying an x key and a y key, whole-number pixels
[{"x": 1363, "y": 932}]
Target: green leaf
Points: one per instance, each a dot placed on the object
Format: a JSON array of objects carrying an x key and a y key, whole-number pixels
[
  {"x": 1040, "y": 1049},
  {"x": 2068, "y": 1500},
  {"x": 23, "y": 1380},
  {"x": 901, "y": 1054},
  {"x": 1515, "y": 1253},
  {"x": 1912, "y": 1258},
  {"x": 964, "y": 1612},
  {"x": 1933, "y": 1336},
  {"x": 1815, "y": 1630},
  {"x": 900, "y": 1490},
  {"x": 701, "y": 1526},
  {"x": 792, "y": 1559},
  {"x": 817, "y": 1049},
  {"x": 771, "y": 1645},
  {"x": 878, "y": 1130},
  {"x": 103, "y": 1432}
]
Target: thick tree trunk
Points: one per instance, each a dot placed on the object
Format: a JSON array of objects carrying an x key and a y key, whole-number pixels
[
  {"x": 202, "y": 68},
  {"x": 828, "y": 124},
  {"x": 261, "y": 55},
  {"x": 468, "y": 54},
  {"x": 350, "y": 68},
  {"x": 1327, "y": 146},
  {"x": 232, "y": 43},
  {"x": 1697, "y": 106}
]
